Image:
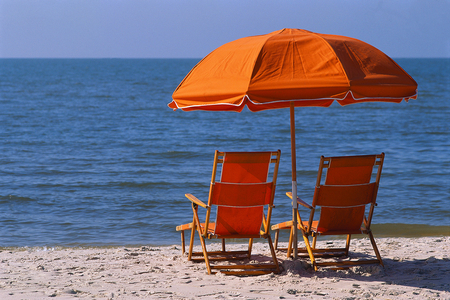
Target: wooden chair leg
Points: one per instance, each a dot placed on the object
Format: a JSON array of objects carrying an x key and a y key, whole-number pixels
[
  {"x": 274, "y": 256},
  {"x": 191, "y": 242},
  {"x": 183, "y": 250},
  {"x": 196, "y": 225},
  {"x": 310, "y": 252},
  {"x": 314, "y": 241},
  {"x": 277, "y": 233},
  {"x": 205, "y": 253},
  {"x": 347, "y": 244},
  {"x": 375, "y": 248},
  {"x": 250, "y": 245}
]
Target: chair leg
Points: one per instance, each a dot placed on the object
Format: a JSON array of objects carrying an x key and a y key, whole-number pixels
[
  {"x": 205, "y": 253},
  {"x": 196, "y": 225},
  {"x": 250, "y": 245},
  {"x": 375, "y": 248},
  {"x": 347, "y": 244},
  {"x": 314, "y": 241},
  {"x": 274, "y": 256},
  {"x": 191, "y": 242},
  {"x": 183, "y": 250},
  {"x": 310, "y": 252},
  {"x": 277, "y": 233}
]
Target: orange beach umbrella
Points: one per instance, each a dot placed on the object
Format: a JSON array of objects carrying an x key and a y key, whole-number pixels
[{"x": 292, "y": 68}]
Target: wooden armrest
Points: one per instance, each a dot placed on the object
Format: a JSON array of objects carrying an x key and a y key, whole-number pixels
[
  {"x": 299, "y": 201},
  {"x": 196, "y": 200}
]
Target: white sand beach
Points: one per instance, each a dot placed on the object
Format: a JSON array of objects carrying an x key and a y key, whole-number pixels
[{"x": 415, "y": 268}]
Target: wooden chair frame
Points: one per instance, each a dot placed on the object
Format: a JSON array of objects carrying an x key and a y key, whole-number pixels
[
  {"x": 205, "y": 231},
  {"x": 309, "y": 228}
]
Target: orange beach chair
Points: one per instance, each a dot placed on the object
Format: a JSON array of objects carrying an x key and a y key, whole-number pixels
[
  {"x": 342, "y": 200},
  {"x": 242, "y": 200}
]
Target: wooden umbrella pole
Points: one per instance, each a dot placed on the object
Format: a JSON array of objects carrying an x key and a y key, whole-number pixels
[{"x": 294, "y": 180}]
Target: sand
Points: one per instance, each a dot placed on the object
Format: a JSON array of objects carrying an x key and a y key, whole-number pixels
[{"x": 415, "y": 268}]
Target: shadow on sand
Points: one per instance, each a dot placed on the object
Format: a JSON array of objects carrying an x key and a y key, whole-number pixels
[{"x": 430, "y": 273}]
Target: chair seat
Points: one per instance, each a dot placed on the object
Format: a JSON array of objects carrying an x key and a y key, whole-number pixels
[
  {"x": 211, "y": 226},
  {"x": 288, "y": 225}
]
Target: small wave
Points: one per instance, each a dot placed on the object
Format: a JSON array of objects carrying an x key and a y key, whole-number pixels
[
  {"x": 159, "y": 184},
  {"x": 13, "y": 198},
  {"x": 180, "y": 154},
  {"x": 102, "y": 96}
]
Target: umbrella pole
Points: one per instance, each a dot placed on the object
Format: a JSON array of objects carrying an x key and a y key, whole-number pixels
[{"x": 294, "y": 180}]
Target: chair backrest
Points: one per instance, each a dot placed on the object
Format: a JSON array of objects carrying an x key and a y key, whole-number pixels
[
  {"x": 346, "y": 191},
  {"x": 243, "y": 190}
]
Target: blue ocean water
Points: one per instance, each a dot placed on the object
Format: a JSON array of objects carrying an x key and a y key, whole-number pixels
[{"x": 90, "y": 154}]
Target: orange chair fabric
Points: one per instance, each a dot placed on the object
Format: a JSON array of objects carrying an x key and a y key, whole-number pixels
[
  {"x": 230, "y": 194},
  {"x": 340, "y": 220},
  {"x": 344, "y": 170},
  {"x": 239, "y": 221},
  {"x": 242, "y": 193},
  {"x": 344, "y": 196},
  {"x": 345, "y": 193},
  {"x": 244, "y": 167}
]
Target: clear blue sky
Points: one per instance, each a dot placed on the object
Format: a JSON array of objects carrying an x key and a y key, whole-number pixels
[{"x": 193, "y": 28}]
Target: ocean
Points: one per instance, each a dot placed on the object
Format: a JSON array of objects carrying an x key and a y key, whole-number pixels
[{"x": 90, "y": 154}]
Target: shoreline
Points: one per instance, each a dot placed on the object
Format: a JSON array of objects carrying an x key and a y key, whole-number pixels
[
  {"x": 383, "y": 230},
  {"x": 415, "y": 268}
]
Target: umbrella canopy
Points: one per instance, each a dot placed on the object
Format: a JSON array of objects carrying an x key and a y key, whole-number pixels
[
  {"x": 292, "y": 68},
  {"x": 311, "y": 69}
]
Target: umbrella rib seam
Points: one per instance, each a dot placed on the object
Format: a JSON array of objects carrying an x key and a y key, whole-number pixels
[{"x": 339, "y": 61}]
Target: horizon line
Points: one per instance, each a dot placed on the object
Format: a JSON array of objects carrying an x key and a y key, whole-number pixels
[{"x": 393, "y": 57}]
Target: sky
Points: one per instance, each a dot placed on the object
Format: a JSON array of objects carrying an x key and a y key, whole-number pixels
[{"x": 193, "y": 28}]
